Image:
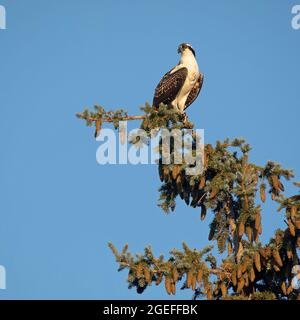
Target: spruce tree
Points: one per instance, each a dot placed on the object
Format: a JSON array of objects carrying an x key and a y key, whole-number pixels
[{"x": 231, "y": 191}]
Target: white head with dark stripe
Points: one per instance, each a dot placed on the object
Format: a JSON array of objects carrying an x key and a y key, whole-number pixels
[{"x": 186, "y": 47}]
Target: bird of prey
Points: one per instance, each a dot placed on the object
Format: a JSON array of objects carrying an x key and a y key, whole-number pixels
[{"x": 181, "y": 85}]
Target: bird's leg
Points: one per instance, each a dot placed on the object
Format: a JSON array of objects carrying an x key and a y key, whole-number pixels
[
  {"x": 184, "y": 118},
  {"x": 185, "y": 121}
]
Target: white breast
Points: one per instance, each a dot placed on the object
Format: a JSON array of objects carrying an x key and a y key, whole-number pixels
[{"x": 187, "y": 60}]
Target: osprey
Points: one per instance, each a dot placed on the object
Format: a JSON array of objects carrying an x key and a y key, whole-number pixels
[{"x": 181, "y": 85}]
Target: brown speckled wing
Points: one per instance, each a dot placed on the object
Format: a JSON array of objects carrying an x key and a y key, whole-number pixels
[
  {"x": 195, "y": 91},
  {"x": 169, "y": 86}
]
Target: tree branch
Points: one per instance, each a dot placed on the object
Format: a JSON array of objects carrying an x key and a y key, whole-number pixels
[{"x": 110, "y": 119}]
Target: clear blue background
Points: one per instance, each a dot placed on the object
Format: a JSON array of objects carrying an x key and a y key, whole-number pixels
[{"x": 58, "y": 207}]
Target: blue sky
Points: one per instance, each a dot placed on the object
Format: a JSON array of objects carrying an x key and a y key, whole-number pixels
[{"x": 58, "y": 207}]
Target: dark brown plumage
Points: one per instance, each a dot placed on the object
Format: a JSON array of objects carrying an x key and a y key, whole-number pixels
[
  {"x": 169, "y": 86},
  {"x": 171, "y": 83},
  {"x": 195, "y": 91}
]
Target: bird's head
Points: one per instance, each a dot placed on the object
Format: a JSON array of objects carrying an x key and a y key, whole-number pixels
[{"x": 186, "y": 46}]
